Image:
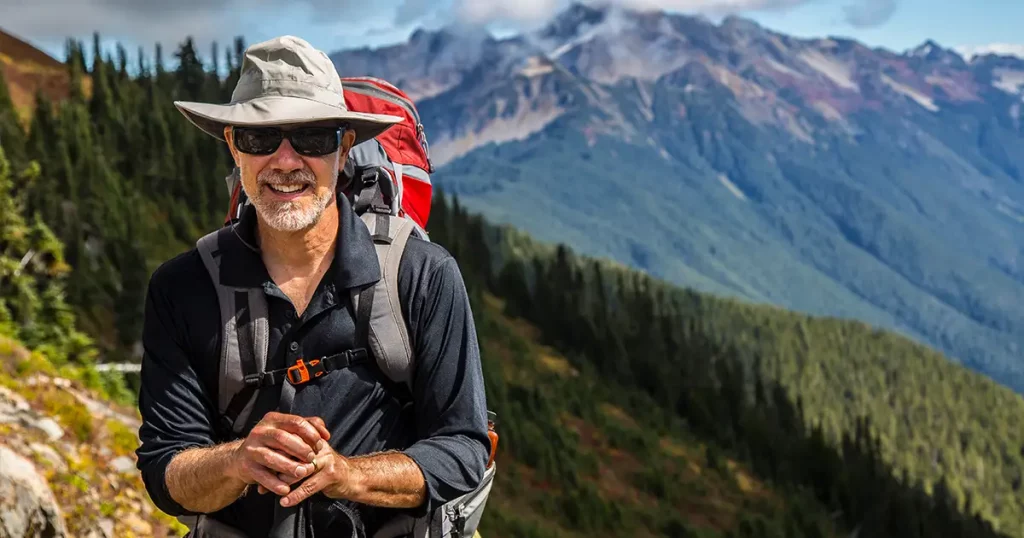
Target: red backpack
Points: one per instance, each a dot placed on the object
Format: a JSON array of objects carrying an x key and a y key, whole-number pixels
[{"x": 401, "y": 151}]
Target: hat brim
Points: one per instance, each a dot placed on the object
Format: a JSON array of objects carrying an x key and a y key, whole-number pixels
[{"x": 280, "y": 110}]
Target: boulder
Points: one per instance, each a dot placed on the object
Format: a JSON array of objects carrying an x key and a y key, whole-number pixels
[
  {"x": 15, "y": 409},
  {"x": 27, "y": 506},
  {"x": 50, "y": 456}
]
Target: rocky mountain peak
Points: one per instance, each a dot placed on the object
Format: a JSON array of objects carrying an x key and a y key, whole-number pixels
[
  {"x": 574, "y": 21},
  {"x": 931, "y": 51}
]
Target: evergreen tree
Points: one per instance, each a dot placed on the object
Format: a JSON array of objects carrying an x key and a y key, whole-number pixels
[
  {"x": 190, "y": 74},
  {"x": 159, "y": 62},
  {"x": 12, "y": 136}
]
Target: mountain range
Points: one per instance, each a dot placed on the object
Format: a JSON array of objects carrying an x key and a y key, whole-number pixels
[{"x": 821, "y": 175}]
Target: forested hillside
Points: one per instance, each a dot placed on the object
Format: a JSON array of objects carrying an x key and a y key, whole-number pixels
[
  {"x": 627, "y": 406},
  {"x": 124, "y": 182}
]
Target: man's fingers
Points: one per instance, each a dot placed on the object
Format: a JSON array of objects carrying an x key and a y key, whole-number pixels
[
  {"x": 301, "y": 427},
  {"x": 290, "y": 443},
  {"x": 307, "y": 489},
  {"x": 276, "y": 461},
  {"x": 319, "y": 424},
  {"x": 289, "y": 479},
  {"x": 267, "y": 480}
]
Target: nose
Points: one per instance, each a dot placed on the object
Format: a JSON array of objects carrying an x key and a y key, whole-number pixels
[{"x": 285, "y": 159}]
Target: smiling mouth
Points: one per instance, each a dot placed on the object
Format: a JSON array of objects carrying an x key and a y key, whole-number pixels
[{"x": 294, "y": 188}]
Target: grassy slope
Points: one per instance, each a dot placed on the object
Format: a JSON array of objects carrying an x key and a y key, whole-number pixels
[
  {"x": 936, "y": 419},
  {"x": 28, "y": 70}
]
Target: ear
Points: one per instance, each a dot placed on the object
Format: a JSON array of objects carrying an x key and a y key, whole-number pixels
[
  {"x": 347, "y": 140},
  {"x": 229, "y": 136}
]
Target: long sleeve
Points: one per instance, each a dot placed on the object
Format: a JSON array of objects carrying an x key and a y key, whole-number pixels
[
  {"x": 175, "y": 406},
  {"x": 448, "y": 388}
]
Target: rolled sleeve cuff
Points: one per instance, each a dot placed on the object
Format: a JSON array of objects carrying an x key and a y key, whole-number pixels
[
  {"x": 448, "y": 471},
  {"x": 156, "y": 485},
  {"x": 155, "y": 479}
]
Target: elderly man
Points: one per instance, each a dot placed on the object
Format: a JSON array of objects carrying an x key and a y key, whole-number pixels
[{"x": 346, "y": 447}]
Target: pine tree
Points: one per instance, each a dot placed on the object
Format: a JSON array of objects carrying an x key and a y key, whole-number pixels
[
  {"x": 42, "y": 147},
  {"x": 159, "y": 70},
  {"x": 190, "y": 74},
  {"x": 141, "y": 67},
  {"x": 122, "y": 63},
  {"x": 12, "y": 136},
  {"x": 76, "y": 68}
]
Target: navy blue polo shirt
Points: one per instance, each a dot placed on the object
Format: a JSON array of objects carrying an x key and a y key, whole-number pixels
[{"x": 444, "y": 430}]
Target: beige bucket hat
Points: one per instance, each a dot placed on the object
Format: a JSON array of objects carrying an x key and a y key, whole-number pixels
[{"x": 285, "y": 81}]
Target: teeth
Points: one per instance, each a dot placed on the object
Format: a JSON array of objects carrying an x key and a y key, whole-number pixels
[{"x": 288, "y": 188}]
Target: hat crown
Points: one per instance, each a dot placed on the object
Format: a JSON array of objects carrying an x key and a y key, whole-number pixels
[{"x": 288, "y": 66}]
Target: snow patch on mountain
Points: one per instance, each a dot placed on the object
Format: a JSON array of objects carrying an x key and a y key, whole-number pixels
[
  {"x": 918, "y": 97},
  {"x": 732, "y": 187},
  {"x": 782, "y": 68},
  {"x": 839, "y": 73},
  {"x": 1008, "y": 80}
]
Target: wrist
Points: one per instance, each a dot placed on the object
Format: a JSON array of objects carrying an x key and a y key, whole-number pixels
[
  {"x": 233, "y": 462},
  {"x": 349, "y": 482}
]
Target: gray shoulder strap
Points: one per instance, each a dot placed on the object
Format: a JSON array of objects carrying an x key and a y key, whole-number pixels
[
  {"x": 245, "y": 337},
  {"x": 388, "y": 334}
]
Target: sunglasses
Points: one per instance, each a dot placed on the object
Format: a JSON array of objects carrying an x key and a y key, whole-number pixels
[{"x": 307, "y": 141}]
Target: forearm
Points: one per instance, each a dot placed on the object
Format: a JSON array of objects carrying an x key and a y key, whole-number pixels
[
  {"x": 200, "y": 479},
  {"x": 388, "y": 479}
]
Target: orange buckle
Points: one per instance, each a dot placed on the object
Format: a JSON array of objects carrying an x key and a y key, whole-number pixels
[{"x": 300, "y": 372}]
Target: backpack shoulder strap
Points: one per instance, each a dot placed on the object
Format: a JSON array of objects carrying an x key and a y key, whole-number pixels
[
  {"x": 378, "y": 308},
  {"x": 245, "y": 337}
]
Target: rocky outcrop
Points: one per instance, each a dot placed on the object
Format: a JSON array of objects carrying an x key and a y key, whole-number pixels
[
  {"x": 16, "y": 410},
  {"x": 67, "y": 462},
  {"x": 27, "y": 506}
]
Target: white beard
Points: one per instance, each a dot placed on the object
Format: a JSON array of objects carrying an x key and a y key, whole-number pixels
[{"x": 289, "y": 216}]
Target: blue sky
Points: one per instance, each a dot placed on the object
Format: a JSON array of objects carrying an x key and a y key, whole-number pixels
[
  {"x": 949, "y": 22},
  {"x": 335, "y": 24}
]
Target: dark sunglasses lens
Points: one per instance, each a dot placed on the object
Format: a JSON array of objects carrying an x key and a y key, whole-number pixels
[
  {"x": 315, "y": 141},
  {"x": 257, "y": 141}
]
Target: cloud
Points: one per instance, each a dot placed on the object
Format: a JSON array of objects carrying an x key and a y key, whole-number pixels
[
  {"x": 147, "y": 22},
  {"x": 861, "y": 13},
  {"x": 509, "y": 11},
  {"x": 869, "y": 13},
  {"x": 1002, "y": 49},
  {"x": 410, "y": 11}
]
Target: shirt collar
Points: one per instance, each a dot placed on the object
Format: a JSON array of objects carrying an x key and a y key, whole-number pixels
[{"x": 355, "y": 257}]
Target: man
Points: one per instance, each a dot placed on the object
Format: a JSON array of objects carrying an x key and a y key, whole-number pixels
[{"x": 348, "y": 448}]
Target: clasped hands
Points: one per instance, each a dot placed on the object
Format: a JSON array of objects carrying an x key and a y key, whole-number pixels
[{"x": 284, "y": 449}]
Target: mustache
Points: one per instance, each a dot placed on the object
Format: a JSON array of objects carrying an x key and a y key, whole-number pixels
[{"x": 274, "y": 177}]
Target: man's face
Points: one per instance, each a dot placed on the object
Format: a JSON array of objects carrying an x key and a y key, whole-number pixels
[{"x": 290, "y": 190}]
